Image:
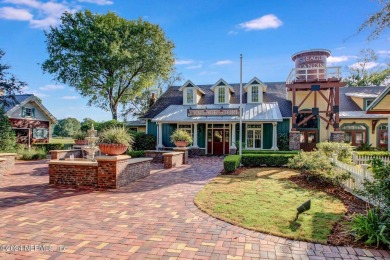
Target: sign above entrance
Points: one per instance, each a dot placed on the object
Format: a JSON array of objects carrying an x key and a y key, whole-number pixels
[{"x": 213, "y": 112}]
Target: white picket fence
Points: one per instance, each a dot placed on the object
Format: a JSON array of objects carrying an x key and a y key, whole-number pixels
[
  {"x": 358, "y": 174},
  {"x": 364, "y": 159}
]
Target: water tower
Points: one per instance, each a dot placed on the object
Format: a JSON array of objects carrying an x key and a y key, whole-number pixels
[{"x": 313, "y": 89}]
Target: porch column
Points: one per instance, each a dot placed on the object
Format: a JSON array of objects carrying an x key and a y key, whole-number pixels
[
  {"x": 160, "y": 144},
  {"x": 275, "y": 137},
  {"x": 233, "y": 141},
  {"x": 388, "y": 134},
  {"x": 195, "y": 144}
]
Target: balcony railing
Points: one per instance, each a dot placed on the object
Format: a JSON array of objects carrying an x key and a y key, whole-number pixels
[{"x": 316, "y": 74}]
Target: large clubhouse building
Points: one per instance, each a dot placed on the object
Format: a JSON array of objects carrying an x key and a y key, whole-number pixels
[{"x": 312, "y": 106}]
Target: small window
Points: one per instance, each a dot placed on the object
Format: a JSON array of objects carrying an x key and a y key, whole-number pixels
[
  {"x": 190, "y": 95},
  {"x": 40, "y": 133},
  {"x": 221, "y": 95},
  {"x": 255, "y": 94},
  {"x": 28, "y": 112},
  {"x": 355, "y": 134},
  {"x": 368, "y": 102}
]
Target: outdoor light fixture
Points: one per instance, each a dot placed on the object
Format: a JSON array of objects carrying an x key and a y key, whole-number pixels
[{"x": 304, "y": 207}]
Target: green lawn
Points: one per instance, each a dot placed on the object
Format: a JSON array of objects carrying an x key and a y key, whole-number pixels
[
  {"x": 62, "y": 140},
  {"x": 263, "y": 199}
]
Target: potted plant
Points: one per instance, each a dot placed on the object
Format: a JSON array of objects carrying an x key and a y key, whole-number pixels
[
  {"x": 181, "y": 138},
  {"x": 79, "y": 138},
  {"x": 115, "y": 140}
]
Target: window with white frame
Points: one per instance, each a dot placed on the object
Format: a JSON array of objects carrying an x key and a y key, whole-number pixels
[
  {"x": 221, "y": 95},
  {"x": 190, "y": 95},
  {"x": 185, "y": 127},
  {"x": 255, "y": 94},
  {"x": 40, "y": 133},
  {"x": 253, "y": 136}
]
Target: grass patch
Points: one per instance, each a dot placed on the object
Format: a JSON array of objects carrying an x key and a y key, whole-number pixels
[
  {"x": 263, "y": 199},
  {"x": 61, "y": 140}
]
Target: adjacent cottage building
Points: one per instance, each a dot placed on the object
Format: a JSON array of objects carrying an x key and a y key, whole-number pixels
[
  {"x": 311, "y": 106},
  {"x": 31, "y": 121}
]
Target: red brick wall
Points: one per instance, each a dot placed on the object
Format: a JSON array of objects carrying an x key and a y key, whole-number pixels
[{"x": 73, "y": 175}]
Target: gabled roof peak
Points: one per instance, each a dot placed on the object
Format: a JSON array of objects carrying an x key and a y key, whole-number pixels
[
  {"x": 255, "y": 81},
  {"x": 222, "y": 82},
  {"x": 189, "y": 83}
]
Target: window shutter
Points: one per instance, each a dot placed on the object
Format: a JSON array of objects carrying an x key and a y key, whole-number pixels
[
  {"x": 32, "y": 112},
  {"x": 23, "y": 111}
]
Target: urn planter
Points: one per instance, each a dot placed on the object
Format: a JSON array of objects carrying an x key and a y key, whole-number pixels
[
  {"x": 181, "y": 143},
  {"x": 112, "y": 149},
  {"x": 81, "y": 142}
]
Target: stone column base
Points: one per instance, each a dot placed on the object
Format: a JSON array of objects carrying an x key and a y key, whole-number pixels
[
  {"x": 195, "y": 151},
  {"x": 294, "y": 140},
  {"x": 233, "y": 151},
  {"x": 337, "y": 136},
  {"x": 185, "y": 155}
]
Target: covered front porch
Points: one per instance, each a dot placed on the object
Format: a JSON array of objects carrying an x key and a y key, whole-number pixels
[{"x": 219, "y": 133}]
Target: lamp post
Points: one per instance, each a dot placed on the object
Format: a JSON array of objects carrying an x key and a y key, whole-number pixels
[{"x": 240, "y": 135}]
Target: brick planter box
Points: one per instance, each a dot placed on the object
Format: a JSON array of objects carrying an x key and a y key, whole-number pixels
[
  {"x": 7, "y": 161},
  {"x": 173, "y": 159},
  {"x": 107, "y": 172},
  {"x": 156, "y": 155}
]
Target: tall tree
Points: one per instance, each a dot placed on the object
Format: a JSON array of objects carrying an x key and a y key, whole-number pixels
[
  {"x": 9, "y": 85},
  {"x": 139, "y": 104},
  {"x": 67, "y": 127},
  {"x": 379, "y": 22},
  {"x": 367, "y": 72},
  {"x": 107, "y": 58},
  {"x": 7, "y": 134}
]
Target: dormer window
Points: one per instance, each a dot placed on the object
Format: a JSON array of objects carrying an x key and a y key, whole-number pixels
[
  {"x": 190, "y": 95},
  {"x": 221, "y": 95},
  {"x": 254, "y": 90},
  {"x": 255, "y": 94}
]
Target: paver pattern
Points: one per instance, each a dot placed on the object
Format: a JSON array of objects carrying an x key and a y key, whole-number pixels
[{"x": 153, "y": 218}]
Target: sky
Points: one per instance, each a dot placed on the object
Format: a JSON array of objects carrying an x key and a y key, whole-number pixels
[{"x": 209, "y": 37}]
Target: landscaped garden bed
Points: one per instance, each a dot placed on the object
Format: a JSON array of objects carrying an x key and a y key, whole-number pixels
[{"x": 265, "y": 200}]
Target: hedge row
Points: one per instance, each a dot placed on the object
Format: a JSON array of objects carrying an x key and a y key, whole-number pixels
[
  {"x": 231, "y": 163},
  {"x": 49, "y": 146},
  {"x": 255, "y": 160},
  {"x": 136, "y": 154},
  {"x": 268, "y": 152},
  {"x": 373, "y": 153}
]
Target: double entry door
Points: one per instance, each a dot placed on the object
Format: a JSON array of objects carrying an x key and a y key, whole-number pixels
[
  {"x": 218, "y": 142},
  {"x": 308, "y": 140}
]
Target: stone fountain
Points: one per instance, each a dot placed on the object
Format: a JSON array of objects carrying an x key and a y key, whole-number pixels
[{"x": 91, "y": 148}]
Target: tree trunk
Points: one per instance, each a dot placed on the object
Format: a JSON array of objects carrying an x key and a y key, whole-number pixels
[{"x": 114, "y": 114}]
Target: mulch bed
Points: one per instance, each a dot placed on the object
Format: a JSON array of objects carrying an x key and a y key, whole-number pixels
[{"x": 340, "y": 235}]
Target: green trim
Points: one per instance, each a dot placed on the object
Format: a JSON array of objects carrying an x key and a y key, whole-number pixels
[
  {"x": 379, "y": 98},
  {"x": 364, "y": 102},
  {"x": 363, "y": 124}
]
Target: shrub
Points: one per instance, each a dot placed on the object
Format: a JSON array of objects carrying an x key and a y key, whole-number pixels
[
  {"x": 318, "y": 164},
  {"x": 373, "y": 153},
  {"x": 116, "y": 135},
  {"x": 231, "y": 163},
  {"x": 100, "y": 127},
  {"x": 7, "y": 134},
  {"x": 283, "y": 142},
  {"x": 181, "y": 135},
  {"x": 32, "y": 154},
  {"x": 254, "y": 160},
  {"x": 136, "y": 154},
  {"x": 268, "y": 152},
  {"x": 364, "y": 147},
  {"x": 343, "y": 150},
  {"x": 49, "y": 147},
  {"x": 373, "y": 228},
  {"x": 143, "y": 141},
  {"x": 80, "y": 136}
]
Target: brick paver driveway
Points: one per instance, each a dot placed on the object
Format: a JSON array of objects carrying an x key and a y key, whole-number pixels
[{"x": 150, "y": 219}]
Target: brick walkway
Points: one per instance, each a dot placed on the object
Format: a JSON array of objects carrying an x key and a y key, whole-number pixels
[{"x": 152, "y": 218}]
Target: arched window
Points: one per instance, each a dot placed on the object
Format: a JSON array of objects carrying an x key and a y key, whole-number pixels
[{"x": 356, "y": 134}]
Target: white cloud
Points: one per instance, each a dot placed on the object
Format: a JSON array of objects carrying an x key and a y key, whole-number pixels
[
  {"x": 98, "y": 2},
  {"x": 232, "y": 32},
  {"x": 337, "y": 59},
  {"x": 207, "y": 73},
  {"x": 223, "y": 62},
  {"x": 194, "y": 67},
  {"x": 70, "y": 97},
  {"x": 183, "y": 62},
  {"x": 268, "y": 21},
  {"x": 51, "y": 87},
  {"x": 368, "y": 65},
  {"x": 39, "y": 14},
  {"x": 339, "y": 48},
  {"x": 384, "y": 52},
  {"x": 10, "y": 13}
]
